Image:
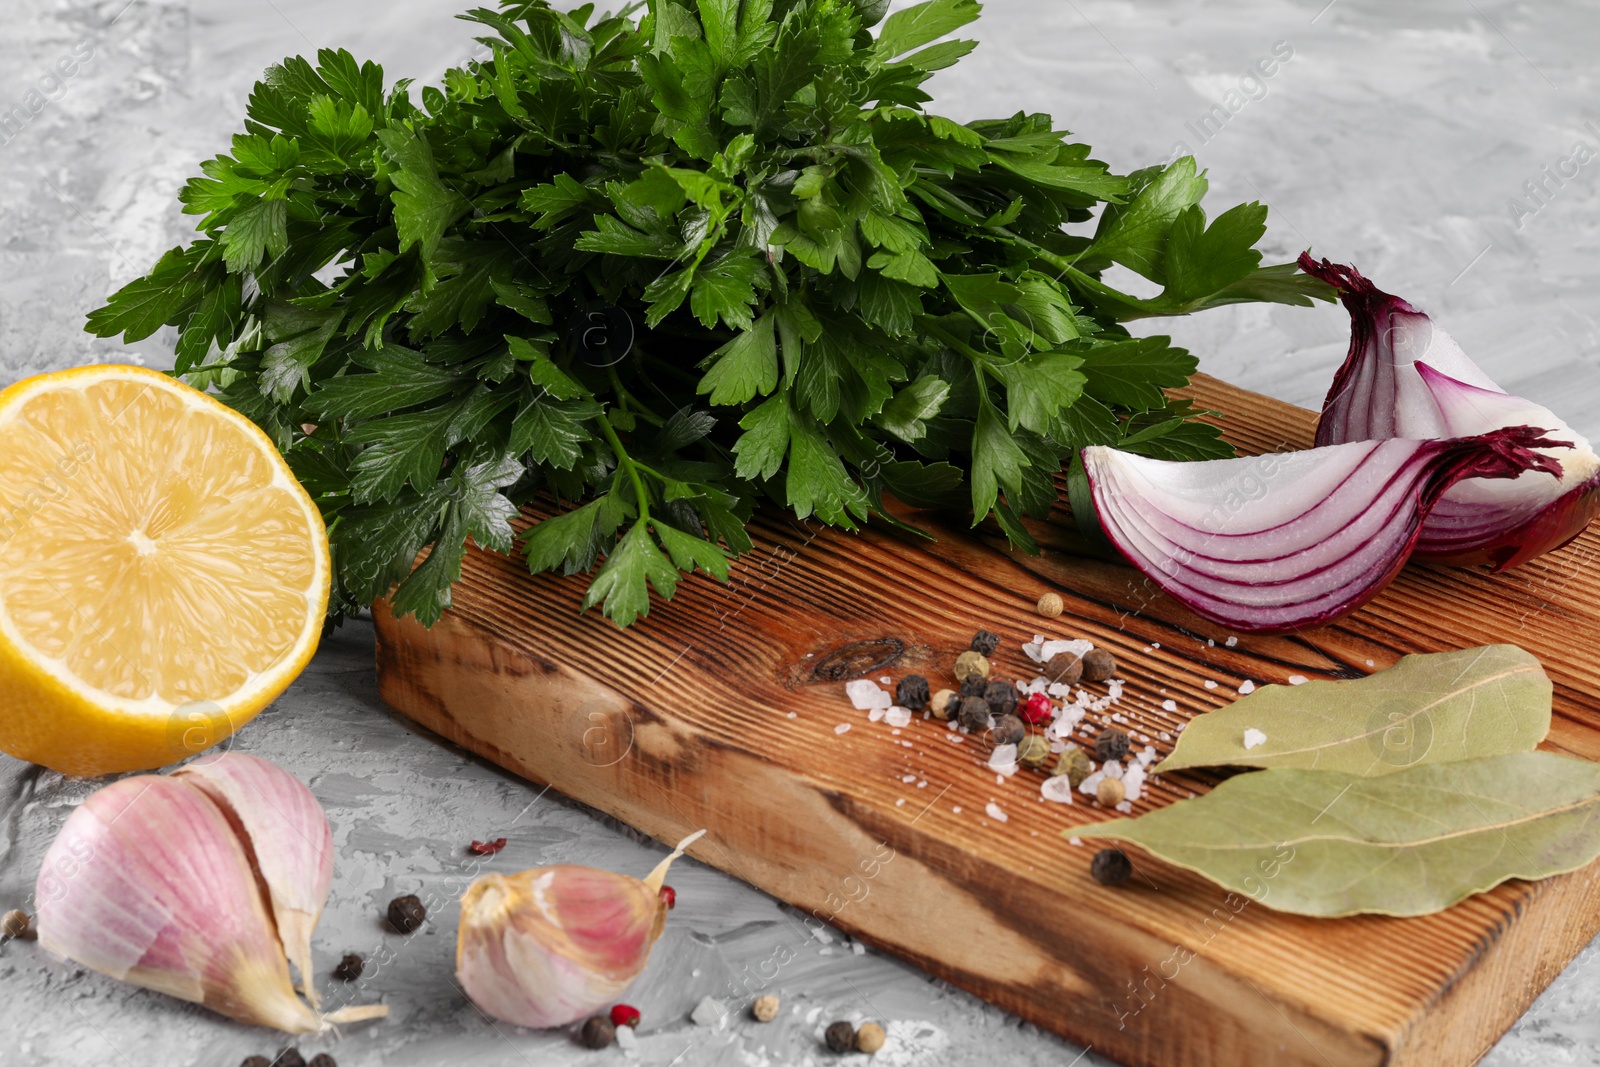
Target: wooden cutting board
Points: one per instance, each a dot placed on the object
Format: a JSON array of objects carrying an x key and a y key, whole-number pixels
[{"x": 724, "y": 709}]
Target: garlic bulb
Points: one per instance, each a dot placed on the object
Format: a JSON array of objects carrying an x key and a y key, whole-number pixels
[
  {"x": 549, "y": 946},
  {"x": 154, "y": 881}
]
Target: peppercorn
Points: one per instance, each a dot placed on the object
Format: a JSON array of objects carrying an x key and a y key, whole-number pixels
[
  {"x": 984, "y": 643},
  {"x": 669, "y": 897},
  {"x": 1111, "y": 792},
  {"x": 406, "y": 913},
  {"x": 1037, "y": 709},
  {"x": 1001, "y": 697},
  {"x": 1064, "y": 668},
  {"x": 1033, "y": 751},
  {"x": 1050, "y": 605},
  {"x": 289, "y": 1057},
  {"x": 322, "y": 1059},
  {"x": 1098, "y": 665},
  {"x": 1110, "y": 744},
  {"x": 945, "y": 703},
  {"x": 840, "y": 1036},
  {"x": 256, "y": 1061},
  {"x": 1110, "y": 866},
  {"x": 912, "y": 692},
  {"x": 974, "y": 714},
  {"x": 1008, "y": 730},
  {"x": 598, "y": 1032},
  {"x": 765, "y": 1008},
  {"x": 973, "y": 685},
  {"x": 15, "y": 924},
  {"x": 1074, "y": 764},
  {"x": 349, "y": 968},
  {"x": 624, "y": 1015},
  {"x": 971, "y": 663},
  {"x": 869, "y": 1038}
]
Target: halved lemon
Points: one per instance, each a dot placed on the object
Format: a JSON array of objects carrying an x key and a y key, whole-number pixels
[{"x": 163, "y": 576}]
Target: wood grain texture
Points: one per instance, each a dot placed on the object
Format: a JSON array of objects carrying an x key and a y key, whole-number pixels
[{"x": 713, "y": 712}]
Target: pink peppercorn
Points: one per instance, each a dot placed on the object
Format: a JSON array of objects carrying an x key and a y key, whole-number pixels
[{"x": 1037, "y": 709}]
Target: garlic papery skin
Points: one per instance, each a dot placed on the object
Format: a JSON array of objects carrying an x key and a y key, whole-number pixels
[
  {"x": 290, "y": 841},
  {"x": 553, "y": 945},
  {"x": 148, "y": 883}
]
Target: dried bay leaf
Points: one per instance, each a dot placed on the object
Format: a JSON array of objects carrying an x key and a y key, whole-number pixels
[
  {"x": 1416, "y": 841},
  {"x": 1434, "y": 708}
]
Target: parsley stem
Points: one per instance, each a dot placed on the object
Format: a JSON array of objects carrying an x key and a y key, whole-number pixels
[
  {"x": 980, "y": 365},
  {"x": 625, "y": 462},
  {"x": 631, "y": 402}
]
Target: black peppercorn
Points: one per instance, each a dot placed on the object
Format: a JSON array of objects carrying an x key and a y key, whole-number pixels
[
  {"x": 1110, "y": 867},
  {"x": 840, "y": 1036},
  {"x": 1001, "y": 697},
  {"x": 406, "y": 913},
  {"x": 1110, "y": 744},
  {"x": 322, "y": 1059},
  {"x": 289, "y": 1057},
  {"x": 256, "y": 1061},
  {"x": 974, "y": 714},
  {"x": 912, "y": 692},
  {"x": 349, "y": 968},
  {"x": 1098, "y": 665},
  {"x": 1008, "y": 730},
  {"x": 974, "y": 685},
  {"x": 1063, "y": 667},
  {"x": 598, "y": 1032},
  {"x": 984, "y": 642}
]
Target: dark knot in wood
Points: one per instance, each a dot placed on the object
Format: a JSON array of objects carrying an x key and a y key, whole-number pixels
[{"x": 854, "y": 660}]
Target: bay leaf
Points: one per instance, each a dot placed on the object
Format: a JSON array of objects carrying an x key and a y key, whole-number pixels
[
  {"x": 1434, "y": 708},
  {"x": 1416, "y": 841}
]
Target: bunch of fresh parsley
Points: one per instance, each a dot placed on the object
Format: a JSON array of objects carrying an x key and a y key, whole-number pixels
[{"x": 661, "y": 270}]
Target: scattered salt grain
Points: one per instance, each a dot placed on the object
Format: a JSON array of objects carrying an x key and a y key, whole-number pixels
[
  {"x": 1230, "y": 642},
  {"x": 908, "y": 778},
  {"x": 794, "y": 715},
  {"x": 627, "y": 1040},
  {"x": 956, "y": 809},
  {"x": 1164, "y": 736},
  {"x": 1210, "y": 684},
  {"x": 1050, "y": 649},
  {"x": 842, "y": 728},
  {"x": 1075, "y": 841},
  {"x": 897, "y": 716},
  {"x": 1155, "y": 644},
  {"x": 865, "y": 694},
  {"x": 1369, "y": 663},
  {"x": 1004, "y": 759},
  {"x": 900, "y": 803},
  {"x": 1298, "y": 679},
  {"x": 1169, "y": 705},
  {"x": 1057, "y": 788},
  {"x": 1246, "y": 687},
  {"x": 1125, "y": 807},
  {"x": 885, "y": 679},
  {"x": 1254, "y": 737},
  {"x": 992, "y": 810},
  {"x": 708, "y": 1012},
  {"x": 857, "y": 948},
  {"x": 1210, "y": 643},
  {"x": 1133, "y": 779},
  {"x": 875, "y": 715},
  {"x": 1114, "y": 688}
]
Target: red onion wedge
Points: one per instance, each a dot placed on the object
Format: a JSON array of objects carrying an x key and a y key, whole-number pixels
[
  {"x": 1405, "y": 377},
  {"x": 1267, "y": 544}
]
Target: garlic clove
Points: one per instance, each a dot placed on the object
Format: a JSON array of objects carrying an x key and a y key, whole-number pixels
[
  {"x": 552, "y": 945},
  {"x": 148, "y": 883},
  {"x": 287, "y": 832}
]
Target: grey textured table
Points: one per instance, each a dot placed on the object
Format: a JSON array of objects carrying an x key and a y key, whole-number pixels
[{"x": 1397, "y": 138}]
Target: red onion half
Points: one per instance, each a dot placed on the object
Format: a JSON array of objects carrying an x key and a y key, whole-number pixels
[
  {"x": 1293, "y": 539},
  {"x": 1405, "y": 377}
]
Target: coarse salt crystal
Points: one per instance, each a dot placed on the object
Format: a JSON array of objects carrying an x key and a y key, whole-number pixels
[
  {"x": 1369, "y": 663},
  {"x": 956, "y": 809},
  {"x": 875, "y": 715},
  {"x": 1050, "y": 649},
  {"x": 1254, "y": 737},
  {"x": 1057, "y": 788},
  {"x": 865, "y": 694},
  {"x": 1298, "y": 679},
  {"x": 1075, "y": 841},
  {"x": 1155, "y": 644},
  {"x": 794, "y": 715},
  {"x": 1246, "y": 687},
  {"x": 1004, "y": 759},
  {"x": 1169, "y": 705},
  {"x": 900, "y": 803},
  {"x": 1091, "y": 783},
  {"x": 908, "y": 778},
  {"x": 1114, "y": 688},
  {"x": 897, "y": 716},
  {"x": 842, "y": 728},
  {"x": 1230, "y": 642},
  {"x": 885, "y": 679},
  {"x": 1210, "y": 684},
  {"x": 1125, "y": 807},
  {"x": 992, "y": 810},
  {"x": 1133, "y": 779}
]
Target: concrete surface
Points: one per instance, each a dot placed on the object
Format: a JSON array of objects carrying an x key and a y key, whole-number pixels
[{"x": 1398, "y": 137}]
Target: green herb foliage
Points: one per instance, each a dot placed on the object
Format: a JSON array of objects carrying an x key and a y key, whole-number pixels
[{"x": 662, "y": 269}]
